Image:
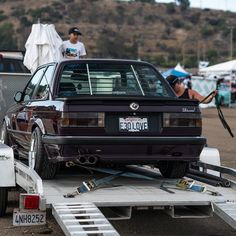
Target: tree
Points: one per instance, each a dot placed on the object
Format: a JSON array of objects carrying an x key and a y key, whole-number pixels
[
  {"x": 184, "y": 4},
  {"x": 7, "y": 37}
]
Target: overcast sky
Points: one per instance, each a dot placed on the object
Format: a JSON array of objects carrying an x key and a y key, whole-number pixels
[{"x": 225, "y": 5}]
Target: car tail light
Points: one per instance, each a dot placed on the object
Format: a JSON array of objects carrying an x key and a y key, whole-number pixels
[
  {"x": 31, "y": 202},
  {"x": 182, "y": 120},
  {"x": 1, "y": 56},
  {"x": 82, "y": 119}
]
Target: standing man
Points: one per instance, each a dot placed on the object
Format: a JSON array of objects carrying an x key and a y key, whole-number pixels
[{"x": 72, "y": 48}]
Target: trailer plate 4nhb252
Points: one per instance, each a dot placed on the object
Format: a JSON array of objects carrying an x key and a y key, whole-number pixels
[{"x": 28, "y": 218}]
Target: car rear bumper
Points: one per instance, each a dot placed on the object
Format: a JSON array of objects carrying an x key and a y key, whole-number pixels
[
  {"x": 113, "y": 140},
  {"x": 124, "y": 149}
]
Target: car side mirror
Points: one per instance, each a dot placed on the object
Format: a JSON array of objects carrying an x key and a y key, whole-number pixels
[{"x": 18, "y": 97}]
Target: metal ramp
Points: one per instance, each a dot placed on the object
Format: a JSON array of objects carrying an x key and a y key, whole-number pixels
[
  {"x": 226, "y": 211},
  {"x": 82, "y": 219}
]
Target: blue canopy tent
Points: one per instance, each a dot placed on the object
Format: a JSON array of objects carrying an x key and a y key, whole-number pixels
[{"x": 175, "y": 72}]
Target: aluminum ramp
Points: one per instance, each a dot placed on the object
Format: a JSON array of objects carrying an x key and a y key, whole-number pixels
[
  {"x": 82, "y": 219},
  {"x": 226, "y": 211}
]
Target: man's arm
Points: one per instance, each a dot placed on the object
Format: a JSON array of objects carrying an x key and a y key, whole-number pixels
[
  {"x": 195, "y": 95},
  {"x": 82, "y": 51}
]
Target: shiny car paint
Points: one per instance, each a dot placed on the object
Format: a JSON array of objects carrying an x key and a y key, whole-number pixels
[{"x": 106, "y": 144}]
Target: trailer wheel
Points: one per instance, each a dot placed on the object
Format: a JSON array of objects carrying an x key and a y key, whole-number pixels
[
  {"x": 173, "y": 169},
  {"x": 4, "y": 134},
  {"x": 40, "y": 162},
  {"x": 3, "y": 200}
]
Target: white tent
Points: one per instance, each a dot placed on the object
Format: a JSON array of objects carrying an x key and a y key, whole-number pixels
[
  {"x": 225, "y": 68},
  {"x": 42, "y": 46}
]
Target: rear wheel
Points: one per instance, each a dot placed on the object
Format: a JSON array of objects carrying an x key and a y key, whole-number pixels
[
  {"x": 3, "y": 200},
  {"x": 173, "y": 169},
  {"x": 38, "y": 159}
]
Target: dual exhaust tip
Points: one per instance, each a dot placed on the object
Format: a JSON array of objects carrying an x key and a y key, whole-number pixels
[{"x": 87, "y": 160}]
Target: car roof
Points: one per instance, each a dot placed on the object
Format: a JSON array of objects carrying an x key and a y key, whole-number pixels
[
  {"x": 128, "y": 61},
  {"x": 100, "y": 60},
  {"x": 18, "y": 55}
]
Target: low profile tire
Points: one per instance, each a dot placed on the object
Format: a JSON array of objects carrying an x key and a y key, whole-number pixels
[
  {"x": 3, "y": 200},
  {"x": 173, "y": 169},
  {"x": 40, "y": 162}
]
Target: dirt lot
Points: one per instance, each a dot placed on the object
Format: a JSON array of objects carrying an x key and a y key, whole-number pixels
[{"x": 152, "y": 222}]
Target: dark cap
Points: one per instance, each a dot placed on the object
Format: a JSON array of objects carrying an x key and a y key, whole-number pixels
[
  {"x": 172, "y": 79},
  {"x": 74, "y": 30}
]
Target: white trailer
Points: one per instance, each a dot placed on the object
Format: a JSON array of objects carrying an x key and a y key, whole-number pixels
[{"x": 90, "y": 212}]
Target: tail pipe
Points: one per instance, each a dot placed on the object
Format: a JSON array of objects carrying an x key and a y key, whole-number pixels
[{"x": 87, "y": 160}]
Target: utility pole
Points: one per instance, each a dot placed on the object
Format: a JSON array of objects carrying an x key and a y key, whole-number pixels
[
  {"x": 231, "y": 42},
  {"x": 198, "y": 51},
  {"x": 183, "y": 53}
]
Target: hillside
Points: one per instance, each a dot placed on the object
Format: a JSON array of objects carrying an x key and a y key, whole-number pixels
[{"x": 159, "y": 33}]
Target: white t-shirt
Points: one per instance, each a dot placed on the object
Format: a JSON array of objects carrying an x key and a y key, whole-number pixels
[{"x": 72, "y": 50}]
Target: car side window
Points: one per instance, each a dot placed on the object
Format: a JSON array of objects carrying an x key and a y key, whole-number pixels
[
  {"x": 43, "y": 88},
  {"x": 29, "y": 90}
]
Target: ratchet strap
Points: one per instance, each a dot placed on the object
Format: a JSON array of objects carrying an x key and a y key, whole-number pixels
[
  {"x": 92, "y": 184},
  {"x": 220, "y": 114}
]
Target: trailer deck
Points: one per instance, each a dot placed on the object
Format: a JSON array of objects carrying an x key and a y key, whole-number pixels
[{"x": 144, "y": 188}]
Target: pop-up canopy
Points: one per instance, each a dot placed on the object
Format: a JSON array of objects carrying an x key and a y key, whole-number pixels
[
  {"x": 177, "y": 71},
  {"x": 224, "y": 68},
  {"x": 42, "y": 46}
]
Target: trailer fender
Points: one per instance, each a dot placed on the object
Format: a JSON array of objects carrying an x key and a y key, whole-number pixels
[
  {"x": 211, "y": 156},
  {"x": 7, "y": 169}
]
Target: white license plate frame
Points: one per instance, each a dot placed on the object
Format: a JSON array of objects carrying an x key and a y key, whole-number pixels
[
  {"x": 28, "y": 217},
  {"x": 133, "y": 124}
]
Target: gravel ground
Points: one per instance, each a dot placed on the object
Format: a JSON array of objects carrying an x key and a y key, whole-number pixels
[{"x": 155, "y": 222}]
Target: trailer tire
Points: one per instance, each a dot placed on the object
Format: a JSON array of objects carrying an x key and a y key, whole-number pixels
[
  {"x": 173, "y": 169},
  {"x": 4, "y": 134},
  {"x": 3, "y": 200},
  {"x": 42, "y": 165}
]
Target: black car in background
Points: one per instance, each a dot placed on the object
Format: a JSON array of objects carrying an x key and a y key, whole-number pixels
[
  {"x": 12, "y": 62},
  {"x": 103, "y": 112}
]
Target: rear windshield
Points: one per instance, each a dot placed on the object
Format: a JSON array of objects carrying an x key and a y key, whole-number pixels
[
  {"x": 111, "y": 79},
  {"x": 9, "y": 65}
]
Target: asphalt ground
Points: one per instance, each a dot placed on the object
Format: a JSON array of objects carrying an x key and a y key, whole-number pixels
[{"x": 155, "y": 222}]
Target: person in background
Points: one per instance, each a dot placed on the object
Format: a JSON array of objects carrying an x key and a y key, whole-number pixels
[
  {"x": 187, "y": 93},
  {"x": 73, "y": 48}
]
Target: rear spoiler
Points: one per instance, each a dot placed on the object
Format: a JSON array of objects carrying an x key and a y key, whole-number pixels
[{"x": 163, "y": 100}]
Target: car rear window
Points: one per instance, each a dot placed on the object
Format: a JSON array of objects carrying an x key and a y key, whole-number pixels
[{"x": 111, "y": 79}]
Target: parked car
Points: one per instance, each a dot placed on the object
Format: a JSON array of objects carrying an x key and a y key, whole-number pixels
[
  {"x": 12, "y": 62},
  {"x": 103, "y": 112}
]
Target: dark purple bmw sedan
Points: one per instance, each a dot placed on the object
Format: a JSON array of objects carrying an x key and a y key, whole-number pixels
[{"x": 103, "y": 112}]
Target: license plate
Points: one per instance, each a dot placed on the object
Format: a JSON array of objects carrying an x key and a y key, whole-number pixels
[
  {"x": 133, "y": 124},
  {"x": 25, "y": 218}
]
